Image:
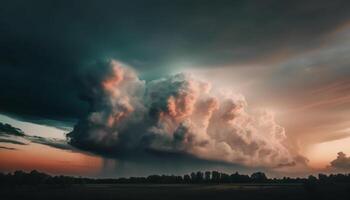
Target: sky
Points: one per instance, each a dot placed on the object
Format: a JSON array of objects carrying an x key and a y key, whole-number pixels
[{"x": 123, "y": 88}]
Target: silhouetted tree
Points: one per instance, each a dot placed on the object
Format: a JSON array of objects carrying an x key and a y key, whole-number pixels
[
  {"x": 215, "y": 176},
  {"x": 193, "y": 177},
  {"x": 207, "y": 176},
  {"x": 224, "y": 178},
  {"x": 35, "y": 177},
  {"x": 199, "y": 177},
  {"x": 187, "y": 178},
  {"x": 258, "y": 177}
]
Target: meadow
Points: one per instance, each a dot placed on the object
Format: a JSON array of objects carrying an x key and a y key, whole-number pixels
[{"x": 175, "y": 191}]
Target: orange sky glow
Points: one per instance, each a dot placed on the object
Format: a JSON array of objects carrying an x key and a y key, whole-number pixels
[{"x": 48, "y": 159}]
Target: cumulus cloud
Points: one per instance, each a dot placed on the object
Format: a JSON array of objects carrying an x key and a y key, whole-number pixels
[
  {"x": 341, "y": 162},
  {"x": 177, "y": 114}
]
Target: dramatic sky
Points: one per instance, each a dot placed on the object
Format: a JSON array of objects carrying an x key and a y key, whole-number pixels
[{"x": 121, "y": 88}]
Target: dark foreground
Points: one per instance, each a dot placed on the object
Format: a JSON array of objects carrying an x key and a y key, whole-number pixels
[{"x": 176, "y": 191}]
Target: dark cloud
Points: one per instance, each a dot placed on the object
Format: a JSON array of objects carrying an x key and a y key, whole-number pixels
[
  {"x": 7, "y": 129},
  {"x": 4, "y": 140},
  {"x": 7, "y": 148},
  {"x": 46, "y": 44},
  {"x": 341, "y": 162},
  {"x": 56, "y": 143}
]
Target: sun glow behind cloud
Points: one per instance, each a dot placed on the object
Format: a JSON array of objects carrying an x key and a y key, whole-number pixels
[{"x": 321, "y": 154}]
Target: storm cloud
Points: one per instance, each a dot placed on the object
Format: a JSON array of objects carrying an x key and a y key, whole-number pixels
[{"x": 177, "y": 114}]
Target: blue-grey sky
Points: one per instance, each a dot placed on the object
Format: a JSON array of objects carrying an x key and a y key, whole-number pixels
[{"x": 46, "y": 44}]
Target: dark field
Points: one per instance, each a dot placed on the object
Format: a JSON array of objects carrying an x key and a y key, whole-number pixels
[{"x": 176, "y": 191}]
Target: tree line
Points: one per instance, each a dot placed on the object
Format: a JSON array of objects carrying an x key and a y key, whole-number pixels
[{"x": 208, "y": 177}]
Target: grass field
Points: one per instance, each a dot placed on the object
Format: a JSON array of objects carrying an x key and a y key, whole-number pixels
[{"x": 174, "y": 191}]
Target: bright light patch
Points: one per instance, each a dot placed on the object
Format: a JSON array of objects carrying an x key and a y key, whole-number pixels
[
  {"x": 34, "y": 129},
  {"x": 321, "y": 154}
]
